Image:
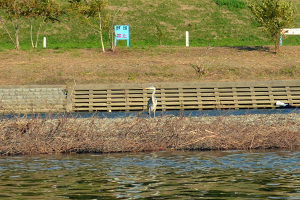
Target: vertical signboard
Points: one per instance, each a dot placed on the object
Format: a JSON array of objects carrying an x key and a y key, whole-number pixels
[{"x": 121, "y": 33}]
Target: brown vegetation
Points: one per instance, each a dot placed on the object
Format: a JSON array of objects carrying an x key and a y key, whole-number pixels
[
  {"x": 102, "y": 135},
  {"x": 150, "y": 64}
]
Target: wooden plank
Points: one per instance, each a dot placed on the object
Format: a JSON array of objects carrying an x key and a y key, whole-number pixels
[
  {"x": 90, "y": 100},
  {"x": 163, "y": 95},
  {"x": 182, "y": 101},
  {"x": 187, "y": 94},
  {"x": 288, "y": 93},
  {"x": 193, "y": 85}
]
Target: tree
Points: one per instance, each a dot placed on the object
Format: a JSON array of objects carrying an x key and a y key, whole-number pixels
[
  {"x": 16, "y": 11},
  {"x": 111, "y": 28},
  {"x": 47, "y": 10},
  {"x": 274, "y": 15},
  {"x": 12, "y": 11},
  {"x": 93, "y": 13}
]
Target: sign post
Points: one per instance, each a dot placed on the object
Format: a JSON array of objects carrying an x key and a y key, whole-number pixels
[
  {"x": 289, "y": 31},
  {"x": 121, "y": 33}
]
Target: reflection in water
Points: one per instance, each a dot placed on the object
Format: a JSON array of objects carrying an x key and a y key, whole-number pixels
[{"x": 156, "y": 175}]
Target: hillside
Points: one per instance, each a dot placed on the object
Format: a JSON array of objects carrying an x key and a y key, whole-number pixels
[
  {"x": 214, "y": 22},
  {"x": 218, "y": 22}
]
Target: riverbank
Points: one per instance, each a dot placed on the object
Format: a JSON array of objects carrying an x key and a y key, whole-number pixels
[{"x": 22, "y": 136}]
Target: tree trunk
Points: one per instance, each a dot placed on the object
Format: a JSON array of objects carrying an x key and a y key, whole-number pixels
[
  {"x": 113, "y": 40},
  {"x": 275, "y": 40},
  {"x": 113, "y": 32},
  {"x": 100, "y": 31},
  {"x": 38, "y": 33},
  {"x": 16, "y": 29},
  {"x": 6, "y": 30},
  {"x": 17, "y": 46},
  {"x": 31, "y": 34}
]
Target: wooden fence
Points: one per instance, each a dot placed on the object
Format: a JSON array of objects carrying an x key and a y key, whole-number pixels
[{"x": 184, "y": 96}]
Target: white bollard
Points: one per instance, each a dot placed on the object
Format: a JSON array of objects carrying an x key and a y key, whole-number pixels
[
  {"x": 44, "y": 42},
  {"x": 187, "y": 38}
]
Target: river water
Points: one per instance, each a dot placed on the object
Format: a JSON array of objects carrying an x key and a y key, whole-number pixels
[
  {"x": 153, "y": 175},
  {"x": 186, "y": 113}
]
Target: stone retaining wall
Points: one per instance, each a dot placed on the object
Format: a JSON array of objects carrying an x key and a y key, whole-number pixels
[{"x": 32, "y": 98}]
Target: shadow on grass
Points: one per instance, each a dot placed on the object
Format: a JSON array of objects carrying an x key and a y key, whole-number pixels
[{"x": 252, "y": 48}]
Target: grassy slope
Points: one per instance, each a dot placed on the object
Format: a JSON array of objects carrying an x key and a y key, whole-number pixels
[
  {"x": 147, "y": 62},
  {"x": 206, "y": 21}
]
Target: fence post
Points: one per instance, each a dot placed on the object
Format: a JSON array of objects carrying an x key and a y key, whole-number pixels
[
  {"x": 44, "y": 42},
  {"x": 69, "y": 102},
  {"x": 187, "y": 43}
]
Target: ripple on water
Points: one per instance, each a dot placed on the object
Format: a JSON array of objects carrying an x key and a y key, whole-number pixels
[{"x": 181, "y": 175}]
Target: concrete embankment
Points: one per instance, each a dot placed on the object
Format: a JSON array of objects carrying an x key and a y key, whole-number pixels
[{"x": 32, "y": 98}]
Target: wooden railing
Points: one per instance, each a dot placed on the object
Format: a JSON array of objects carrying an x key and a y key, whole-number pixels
[{"x": 185, "y": 96}]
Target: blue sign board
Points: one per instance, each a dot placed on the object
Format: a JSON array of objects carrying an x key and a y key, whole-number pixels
[{"x": 121, "y": 33}]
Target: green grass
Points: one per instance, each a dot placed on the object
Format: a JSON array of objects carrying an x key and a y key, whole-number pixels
[
  {"x": 209, "y": 22},
  {"x": 231, "y": 3}
]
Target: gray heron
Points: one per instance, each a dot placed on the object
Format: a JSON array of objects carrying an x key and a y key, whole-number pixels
[{"x": 151, "y": 106}]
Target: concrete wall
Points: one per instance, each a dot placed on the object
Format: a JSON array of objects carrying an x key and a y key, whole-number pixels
[{"x": 32, "y": 98}]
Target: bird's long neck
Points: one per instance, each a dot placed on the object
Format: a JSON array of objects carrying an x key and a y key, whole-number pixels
[{"x": 153, "y": 95}]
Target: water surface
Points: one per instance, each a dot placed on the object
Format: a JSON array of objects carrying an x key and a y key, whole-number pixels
[{"x": 156, "y": 175}]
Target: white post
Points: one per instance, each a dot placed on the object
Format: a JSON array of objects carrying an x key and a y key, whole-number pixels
[
  {"x": 44, "y": 42},
  {"x": 187, "y": 38}
]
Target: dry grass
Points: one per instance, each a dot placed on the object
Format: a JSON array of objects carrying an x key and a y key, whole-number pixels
[
  {"x": 152, "y": 64},
  {"x": 102, "y": 135}
]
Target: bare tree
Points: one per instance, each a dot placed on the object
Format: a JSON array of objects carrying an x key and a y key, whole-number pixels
[
  {"x": 42, "y": 11},
  {"x": 200, "y": 66}
]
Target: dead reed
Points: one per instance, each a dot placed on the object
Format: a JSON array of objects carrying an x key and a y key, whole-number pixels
[{"x": 48, "y": 135}]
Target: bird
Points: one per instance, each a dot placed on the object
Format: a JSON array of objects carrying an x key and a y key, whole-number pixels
[
  {"x": 279, "y": 103},
  {"x": 152, "y": 102},
  {"x": 283, "y": 105}
]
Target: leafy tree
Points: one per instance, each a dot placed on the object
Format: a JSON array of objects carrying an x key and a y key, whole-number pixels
[
  {"x": 274, "y": 15},
  {"x": 42, "y": 10},
  {"x": 93, "y": 13},
  {"x": 12, "y": 11}
]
